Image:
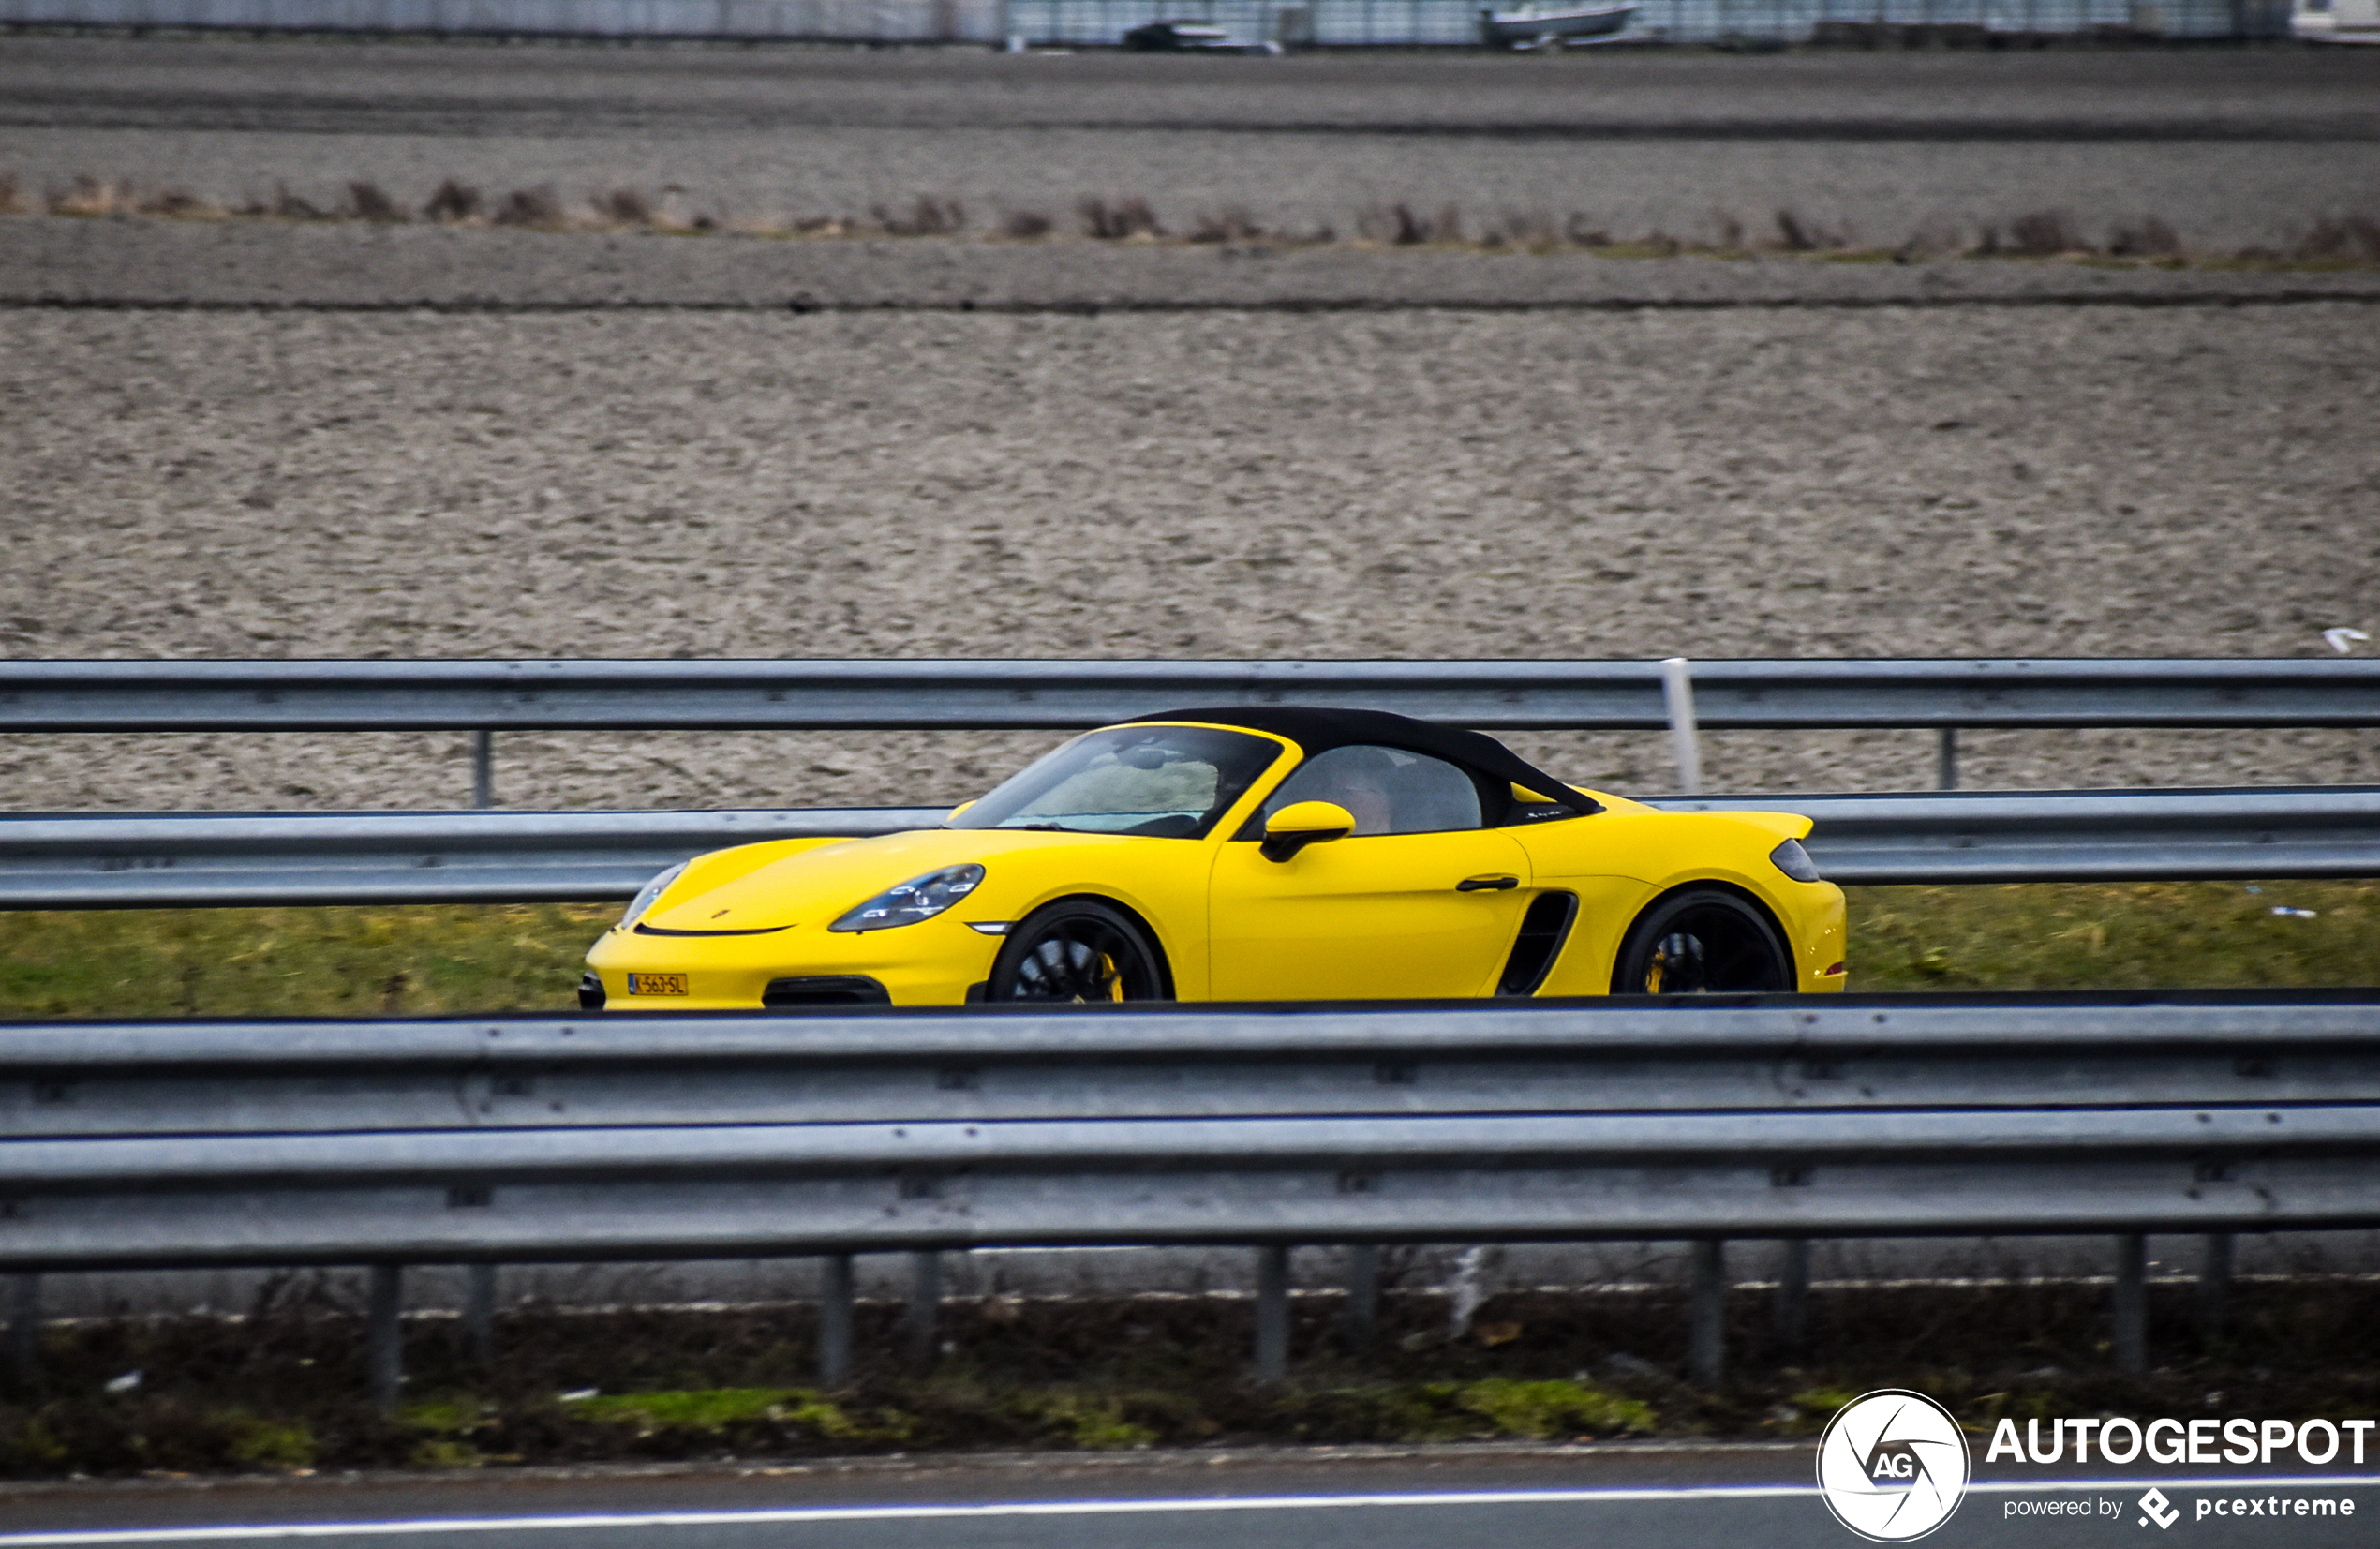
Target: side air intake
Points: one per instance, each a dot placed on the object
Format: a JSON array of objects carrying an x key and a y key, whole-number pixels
[{"x": 1543, "y": 930}]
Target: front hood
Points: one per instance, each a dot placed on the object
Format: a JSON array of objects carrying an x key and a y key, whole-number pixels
[{"x": 817, "y": 886}]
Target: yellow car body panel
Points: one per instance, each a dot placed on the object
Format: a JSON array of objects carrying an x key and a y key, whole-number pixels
[
  {"x": 1377, "y": 917},
  {"x": 1365, "y": 919}
]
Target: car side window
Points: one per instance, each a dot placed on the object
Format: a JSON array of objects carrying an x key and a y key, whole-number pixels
[{"x": 1388, "y": 790}]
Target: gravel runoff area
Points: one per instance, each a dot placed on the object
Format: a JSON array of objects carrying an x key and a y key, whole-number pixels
[
  {"x": 2229, "y": 148},
  {"x": 1764, "y": 481}
]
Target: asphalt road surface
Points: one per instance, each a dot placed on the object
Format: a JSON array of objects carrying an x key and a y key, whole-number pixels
[{"x": 1427, "y": 1499}]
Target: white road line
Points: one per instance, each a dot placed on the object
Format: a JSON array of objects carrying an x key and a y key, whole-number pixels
[
  {"x": 887, "y": 1513},
  {"x": 797, "y": 1514}
]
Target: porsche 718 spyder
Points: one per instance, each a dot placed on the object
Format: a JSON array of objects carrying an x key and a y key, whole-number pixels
[{"x": 1244, "y": 855}]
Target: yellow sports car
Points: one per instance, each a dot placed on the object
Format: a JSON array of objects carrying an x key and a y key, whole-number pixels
[{"x": 1244, "y": 855}]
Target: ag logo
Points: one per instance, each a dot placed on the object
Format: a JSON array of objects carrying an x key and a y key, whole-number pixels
[{"x": 1892, "y": 1465}]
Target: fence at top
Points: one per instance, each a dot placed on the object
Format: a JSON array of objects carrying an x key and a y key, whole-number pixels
[
  {"x": 1325, "y": 23},
  {"x": 930, "y": 694},
  {"x": 1455, "y": 22}
]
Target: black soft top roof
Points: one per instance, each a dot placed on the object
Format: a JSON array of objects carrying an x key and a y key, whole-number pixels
[{"x": 1318, "y": 730}]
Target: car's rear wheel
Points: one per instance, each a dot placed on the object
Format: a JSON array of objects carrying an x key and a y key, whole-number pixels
[
  {"x": 1702, "y": 941},
  {"x": 1076, "y": 951}
]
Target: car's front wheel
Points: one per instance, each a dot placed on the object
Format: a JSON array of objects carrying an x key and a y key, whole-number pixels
[
  {"x": 1702, "y": 941},
  {"x": 1077, "y": 951}
]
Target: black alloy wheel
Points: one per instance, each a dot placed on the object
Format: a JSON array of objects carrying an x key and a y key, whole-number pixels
[
  {"x": 1076, "y": 951},
  {"x": 1702, "y": 941}
]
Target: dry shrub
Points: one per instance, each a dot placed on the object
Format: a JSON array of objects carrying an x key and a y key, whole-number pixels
[
  {"x": 1127, "y": 217},
  {"x": 176, "y": 203},
  {"x": 452, "y": 201},
  {"x": 9, "y": 203},
  {"x": 1582, "y": 232},
  {"x": 368, "y": 200},
  {"x": 2342, "y": 238},
  {"x": 1531, "y": 228},
  {"x": 927, "y": 218},
  {"x": 1231, "y": 224},
  {"x": 89, "y": 196},
  {"x": 1025, "y": 225},
  {"x": 1932, "y": 236},
  {"x": 1398, "y": 225},
  {"x": 627, "y": 206},
  {"x": 2151, "y": 238},
  {"x": 2045, "y": 233},
  {"x": 540, "y": 207},
  {"x": 1797, "y": 236},
  {"x": 290, "y": 206}
]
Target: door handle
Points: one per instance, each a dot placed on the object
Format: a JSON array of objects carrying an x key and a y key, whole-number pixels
[{"x": 1486, "y": 885}]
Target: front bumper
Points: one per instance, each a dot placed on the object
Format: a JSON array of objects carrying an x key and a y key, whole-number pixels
[{"x": 932, "y": 962}]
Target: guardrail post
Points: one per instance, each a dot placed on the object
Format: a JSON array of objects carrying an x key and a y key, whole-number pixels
[
  {"x": 24, "y": 1327},
  {"x": 482, "y": 768},
  {"x": 384, "y": 1348},
  {"x": 1792, "y": 1294},
  {"x": 834, "y": 1320},
  {"x": 1272, "y": 1311},
  {"x": 1706, "y": 1328},
  {"x": 1946, "y": 761},
  {"x": 925, "y": 1304},
  {"x": 2214, "y": 1286},
  {"x": 1362, "y": 1315},
  {"x": 479, "y": 1311},
  {"x": 1685, "y": 736},
  {"x": 2129, "y": 1344}
]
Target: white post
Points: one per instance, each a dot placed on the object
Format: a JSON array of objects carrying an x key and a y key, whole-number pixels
[{"x": 1685, "y": 736}]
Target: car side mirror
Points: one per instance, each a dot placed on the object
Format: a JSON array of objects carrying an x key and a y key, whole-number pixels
[
  {"x": 1304, "y": 823},
  {"x": 956, "y": 811}
]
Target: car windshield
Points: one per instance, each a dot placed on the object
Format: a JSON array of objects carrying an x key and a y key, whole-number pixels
[{"x": 1162, "y": 781}]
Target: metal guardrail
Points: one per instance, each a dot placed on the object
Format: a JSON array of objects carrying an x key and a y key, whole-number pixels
[
  {"x": 588, "y": 1137},
  {"x": 649, "y": 1072},
  {"x": 195, "y": 860},
  {"x": 201, "y": 859},
  {"x": 879, "y": 694},
  {"x": 2084, "y": 836},
  {"x": 749, "y": 1191}
]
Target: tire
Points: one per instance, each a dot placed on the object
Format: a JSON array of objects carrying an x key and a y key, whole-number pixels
[
  {"x": 1078, "y": 951},
  {"x": 1702, "y": 941}
]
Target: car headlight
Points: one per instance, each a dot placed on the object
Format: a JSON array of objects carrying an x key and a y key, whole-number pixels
[
  {"x": 919, "y": 897},
  {"x": 1792, "y": 860},
  {"x": 652, "y": 890}
]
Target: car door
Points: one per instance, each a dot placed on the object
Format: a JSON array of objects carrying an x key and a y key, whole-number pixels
[{"x": 1419, "y": 901}]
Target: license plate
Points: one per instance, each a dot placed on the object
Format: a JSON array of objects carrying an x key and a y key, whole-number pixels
[{"x": 657, "y": 984}]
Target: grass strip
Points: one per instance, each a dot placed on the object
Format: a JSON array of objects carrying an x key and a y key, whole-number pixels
[
  {"x": 473, "y": 959},
  {"x": 282, "y": 1388}
]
